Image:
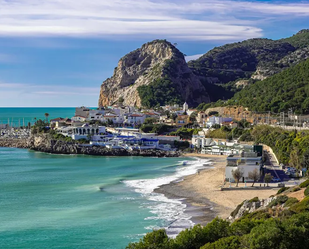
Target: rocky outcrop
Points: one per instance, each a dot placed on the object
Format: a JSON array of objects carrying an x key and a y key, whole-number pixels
[
  {"x": 154, "y": 60},
  {"x": 44, "y": 143}
]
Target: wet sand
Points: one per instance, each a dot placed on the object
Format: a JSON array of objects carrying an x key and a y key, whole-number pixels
[{"x": 203, "y": 191}]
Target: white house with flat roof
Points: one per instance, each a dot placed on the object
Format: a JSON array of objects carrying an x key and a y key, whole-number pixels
[{"x": 245, "y": 164}]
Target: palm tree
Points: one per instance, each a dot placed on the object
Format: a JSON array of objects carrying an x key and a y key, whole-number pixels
[{"x": 46, "y": 116}]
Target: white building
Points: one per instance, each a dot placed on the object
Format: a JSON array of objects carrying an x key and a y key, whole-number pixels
[
  {"x": 79, "y": 118},
  {"x": 217, "y": 120},
  {"x": 245, "y": 164},
  {"x": 135, "y": 118},
  {"x": 83, "y": 132}
]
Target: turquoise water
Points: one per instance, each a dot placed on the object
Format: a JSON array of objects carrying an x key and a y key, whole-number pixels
[
  {"x": 75, "y": 201},
  {"x": 17, "y": 115}
]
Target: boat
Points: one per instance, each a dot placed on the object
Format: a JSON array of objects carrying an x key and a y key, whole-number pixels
[{"x": 184, "y": 162}]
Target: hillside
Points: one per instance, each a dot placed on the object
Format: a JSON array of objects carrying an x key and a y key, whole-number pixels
[
  {"x": 287, "y": 89},
  {"x": 155, "y": 74},
  {"x": 281, "y": 221}
]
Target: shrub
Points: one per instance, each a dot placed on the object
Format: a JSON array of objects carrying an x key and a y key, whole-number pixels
[
  {"x": 282, "y": 190},
  {"x": 295, "y": 189},
  {"x": 306, "y": 191},
  {"x": 304, "y": 184},
  {"x": 231, "y": 242},
  {"x": 278, "y": 201},
  {"x": 255, "y": 199},
  {"x": 291, "y": 201}
]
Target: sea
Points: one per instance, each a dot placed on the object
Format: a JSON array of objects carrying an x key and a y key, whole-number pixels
[
  {"x": 21, "y": 116},
  {"x": 79, "y": 201}
]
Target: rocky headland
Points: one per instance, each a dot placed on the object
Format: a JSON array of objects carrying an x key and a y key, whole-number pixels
[
  {"x": 44, "y": 143},
  {"x": 154, "y": 61}
]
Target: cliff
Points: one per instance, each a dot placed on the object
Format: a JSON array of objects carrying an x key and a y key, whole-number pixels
[{"x": 156, "y": 73}]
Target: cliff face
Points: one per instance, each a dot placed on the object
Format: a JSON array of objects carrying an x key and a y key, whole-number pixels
[{"x": 155, "y": 60}]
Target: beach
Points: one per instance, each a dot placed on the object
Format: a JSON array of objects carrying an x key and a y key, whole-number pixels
[{"x": 203, "y": 190}]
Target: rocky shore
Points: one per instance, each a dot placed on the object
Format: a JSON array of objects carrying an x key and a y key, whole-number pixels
[{"x": 44, "y": 143}]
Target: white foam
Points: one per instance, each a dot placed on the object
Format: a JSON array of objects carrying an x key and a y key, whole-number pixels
[{"x": 170, "y": 211}]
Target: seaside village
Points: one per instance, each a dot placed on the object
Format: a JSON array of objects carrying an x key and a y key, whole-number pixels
[{"x": 125, "y": 127}]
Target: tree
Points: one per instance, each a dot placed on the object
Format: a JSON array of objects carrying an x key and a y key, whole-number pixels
[
  {"x": 46, "y": 116},
  {"x": 267, "y": 178},
  {"x": 295, "y": 159},
  {"x": 254, "y": 175},
  {"x": 237, "y": 174},
  {"x": 150, "y": 121}
]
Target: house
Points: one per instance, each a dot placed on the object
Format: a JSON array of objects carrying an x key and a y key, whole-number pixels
[
  {"x": 82, "y": 111},
  {"x": 152, "y": 115},
  {"x": 182, "y": 120},
  {"x": 134, "y": 119},
  {"x": 212, "y": 120},
  {"x": 60, "y": 122},
  {"x": 79, "y": 118},
  {"x": 245, "y": 163}
]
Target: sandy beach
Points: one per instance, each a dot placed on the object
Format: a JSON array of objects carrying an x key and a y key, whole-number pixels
[{"x": 203, "y": 190}]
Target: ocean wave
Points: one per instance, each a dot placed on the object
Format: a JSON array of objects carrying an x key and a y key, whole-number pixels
[{"x": 171, "y": 212}]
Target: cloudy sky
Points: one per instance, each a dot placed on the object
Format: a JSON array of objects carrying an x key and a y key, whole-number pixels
[{"x": 58, "y": 52}]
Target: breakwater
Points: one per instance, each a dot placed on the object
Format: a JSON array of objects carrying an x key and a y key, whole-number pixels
[{"x": 44, "y": 143}]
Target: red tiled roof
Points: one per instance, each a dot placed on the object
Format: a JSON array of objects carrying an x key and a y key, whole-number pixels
[{"x": 135, "y": 115}]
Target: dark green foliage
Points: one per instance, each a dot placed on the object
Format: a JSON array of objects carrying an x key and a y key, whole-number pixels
[
  {"x": 288, "y": 89},
  {"x": 289, "y": 231},
  {"x": 154, "y": 240},
  {"x": 300, "y": 40},
  {"x": 232, "y": 242},
  {"x": 278, "y": 201},
  {"x": 295, "y": 189},
  {"x": 239, "y": 60},
  {"x": 255, "y": 199},
  {"x": 290, "y": 202},
  {"x": 306, "y": 191},
  {"x": 155, "y": 128},
  {"x": 185, "y": 133},
  {"x": 182, "y": 145},
  {"x": 282, "y": 190},
  {"x": 160, "y": 92},
  {"x": 40, "y": 126},
  {"x": 304, "y": 184}
]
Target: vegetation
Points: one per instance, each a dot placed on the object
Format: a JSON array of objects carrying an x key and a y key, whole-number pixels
[
  {"x": 160, "y": 92},
  {"x": 278, "y": 201},
  {"x": 267, "y": 178},
  {"x": 254, "y": 230},
  {"x": 155, "y": 128},
  {"x": 237, "y": 175},
  {"x": 185, "y": 133},
  {"x": 254, "y": 175},
  {"x": 304, "y": 184},
  {"x": 306, "y": 192},
  {"x": 40, "y": 126},
  {"x": 282, "y": 190},
  {"x": 285, "y": 90}
]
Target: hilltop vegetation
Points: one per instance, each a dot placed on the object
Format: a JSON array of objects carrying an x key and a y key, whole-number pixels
[
  {"x": 283, "y": 225},
  {"x": 288, "y": 89}
]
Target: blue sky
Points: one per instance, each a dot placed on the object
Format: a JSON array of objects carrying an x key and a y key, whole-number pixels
[{"x": 58, "y": 52}]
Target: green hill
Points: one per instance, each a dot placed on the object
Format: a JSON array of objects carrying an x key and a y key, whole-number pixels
[{"x": 288, "y": 89}]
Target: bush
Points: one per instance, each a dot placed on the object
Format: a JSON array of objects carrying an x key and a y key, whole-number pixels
[
  {"x": 306, "y": 191},
  {"x": 278, "y": 201},
  {"x": 282, "y": 190},
  {"x": 304, "y": 184},
  {"x": 233, "y": 214},
  {"x": 291, "y": 201},
  {"x": 295, "y": 189},
  {"x": 231, "y": 242},
  {"x": 255, "y": 199}
]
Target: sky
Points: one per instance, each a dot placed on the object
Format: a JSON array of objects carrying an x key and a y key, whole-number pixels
[{"x": 58, "y": 52}]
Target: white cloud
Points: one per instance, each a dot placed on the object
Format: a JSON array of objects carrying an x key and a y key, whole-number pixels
[{"x": 195, "y": 19}]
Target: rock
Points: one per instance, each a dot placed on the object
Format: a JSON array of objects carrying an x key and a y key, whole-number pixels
[
  {"x": 154, "y": 60},
  {"x": 44, "y": 143}
]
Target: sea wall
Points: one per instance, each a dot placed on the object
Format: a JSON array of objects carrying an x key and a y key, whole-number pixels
[{"x": 44, "y": 143}]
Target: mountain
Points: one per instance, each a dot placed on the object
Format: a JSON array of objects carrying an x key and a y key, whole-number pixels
[
  {"x": 155, "y": 74},
  {"x": 280, "y": 92}
]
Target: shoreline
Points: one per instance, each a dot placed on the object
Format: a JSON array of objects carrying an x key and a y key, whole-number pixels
[{"x": 203, "y": 191}]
